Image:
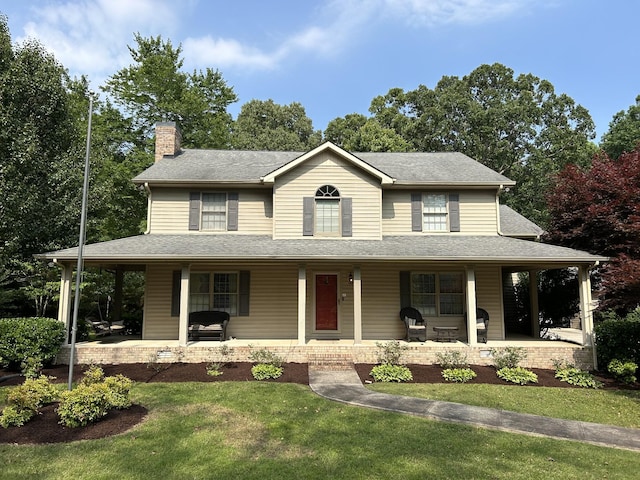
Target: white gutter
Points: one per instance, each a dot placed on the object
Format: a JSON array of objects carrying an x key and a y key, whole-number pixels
[{"x": 149, "y": 203}]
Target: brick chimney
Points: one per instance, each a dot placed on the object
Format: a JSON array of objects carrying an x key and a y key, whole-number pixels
[{"x": 168, "y": 138}]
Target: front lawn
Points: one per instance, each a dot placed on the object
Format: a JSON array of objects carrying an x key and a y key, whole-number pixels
[
  {"x": 612, "y": 407},
  {"x": 265, "y": 430}
]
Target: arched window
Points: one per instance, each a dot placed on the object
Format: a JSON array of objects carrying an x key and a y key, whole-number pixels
[{"x": 327, "y": 214}]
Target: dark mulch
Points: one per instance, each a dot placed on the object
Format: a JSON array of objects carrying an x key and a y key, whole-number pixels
[{"x": 46, "y": 429}]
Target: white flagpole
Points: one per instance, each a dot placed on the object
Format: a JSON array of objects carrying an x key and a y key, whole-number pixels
[{"x": 80, "y": 266}]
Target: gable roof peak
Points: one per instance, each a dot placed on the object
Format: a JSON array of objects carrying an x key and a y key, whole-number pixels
[{"x": 331, "y": 147}]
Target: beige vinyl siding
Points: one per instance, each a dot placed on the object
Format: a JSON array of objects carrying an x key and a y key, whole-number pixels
[
  {"x": 477, "y": 212},
  {"x": 170, "y": 211},
  {"x": 158, "y": 324},
  {"x": 381, "y": 302},
  {"x": 489, "y": 297},
  {"x": 327, "y": 169}
]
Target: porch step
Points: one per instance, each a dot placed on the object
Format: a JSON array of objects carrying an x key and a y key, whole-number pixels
[{"x": 330, "y": 361}]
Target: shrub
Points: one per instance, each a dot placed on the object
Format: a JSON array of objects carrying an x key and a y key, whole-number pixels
[
  {"x": 31, "y": 367},
  {"x": 617, "y": 338},
  {"x": 577, "y": 377},
  {"x": 93, "y": 374},
  {"x": 13, "y": 416},
  {"x": 265, "y": 371},
  {"x": 508, "y": 357},
  {"x": 220, "y": 356},
  {"x": 264, "y": 356},
  {"x": 623, "y": 371},
  {"x": 390, "y": 352},
  {"x": 391, "y": 373},
  {"x": 451, "y": 359},
  {"x": 458, "y": 375},
  {"x": 25, "y": 400},
  {"x": 84, "y": 404},
  {"x": 119, "y": 387},
  {"x": 518, "y": 375},
  {"x": 23, "y": 338}
]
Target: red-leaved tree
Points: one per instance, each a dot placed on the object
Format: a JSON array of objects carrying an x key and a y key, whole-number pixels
[{"x": 598, "y": 210}]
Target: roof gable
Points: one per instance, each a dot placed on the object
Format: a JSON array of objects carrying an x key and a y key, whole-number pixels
[{"x": 328, "y": 146}]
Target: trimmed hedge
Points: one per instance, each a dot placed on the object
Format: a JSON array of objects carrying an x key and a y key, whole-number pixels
[
  {"x": 24, "y": 338},
  {"x": 618, "y": 339}
]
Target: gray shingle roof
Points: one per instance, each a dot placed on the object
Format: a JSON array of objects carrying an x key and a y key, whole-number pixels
[
  {"x": 513, "y": 224},
  {"x": 477, "y": 249},
  {"x": 202, "y": 166}
]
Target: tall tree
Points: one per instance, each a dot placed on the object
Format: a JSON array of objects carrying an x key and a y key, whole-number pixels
[
  {"x": 357, "y": 133},
  {"x": 155, "y": 88},
  {"x": 598, "y": 209},
  {"x": 518, "y": 126},
  {"x": 266, "y": 125},
  {"x": 624, "y": 132}
]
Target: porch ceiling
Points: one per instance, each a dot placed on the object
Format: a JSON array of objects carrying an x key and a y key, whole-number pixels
[{"x": 460, "y": 248}]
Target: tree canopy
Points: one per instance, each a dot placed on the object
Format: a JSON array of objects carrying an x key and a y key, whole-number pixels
[
  {"x": 154, "y": 88},
  {"x": 266, "y": 125},
  {"x": 624, "y": 132},
  {"x": 517, "y": 126},
  {"x": 357, "y": 133},
  {"x": 597, "y": 209}
]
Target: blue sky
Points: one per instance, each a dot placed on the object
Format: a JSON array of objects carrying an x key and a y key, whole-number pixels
[{"x": 335, "y": 56}]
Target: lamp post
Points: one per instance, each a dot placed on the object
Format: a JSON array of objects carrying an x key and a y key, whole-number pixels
[{"x": 80, "y": 265}]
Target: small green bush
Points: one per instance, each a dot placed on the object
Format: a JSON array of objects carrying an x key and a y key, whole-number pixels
[
  {"x": 214, "y": 369},
  {"x": 623, "y": 371},
  {"x": 451, "y": 359},
  {"x": 25, "y": 400},
  {"x": 84, "y": 404},
  {"x": 265, "y": 371},
  {"x": 31, "y": 367},
  {"x": 264, "y": 356},
  {"x": 13, "y": 416},
  {"x": 93, "y": 374},
  {"x": 391, "y": 373},
  {"x": 508, "y": 357},
  {"x": 574, "y": 376},
  {"x": 617, "y": 338},
  {"x": 390, "y": 352},
  {"x": 119, "y": 387},
  {"x": 518, "y": 375},
  {"x": 23, "y": 338},
  {"x": 458, "y": 375}
]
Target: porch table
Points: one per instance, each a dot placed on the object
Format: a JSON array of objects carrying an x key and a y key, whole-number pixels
[{"x": 446, "y": 334}]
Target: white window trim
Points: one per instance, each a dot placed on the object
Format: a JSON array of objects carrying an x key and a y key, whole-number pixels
[
  {"x": 447, "y": 226},
  {"x": 438, "y": 293},
  {"x": 202, "y": 211}
]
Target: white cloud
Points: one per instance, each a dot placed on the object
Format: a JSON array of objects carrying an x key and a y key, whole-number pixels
[{"x": 91, "y": 36}]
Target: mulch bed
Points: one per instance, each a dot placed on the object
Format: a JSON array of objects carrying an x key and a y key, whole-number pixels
[{"x": 44, "y": 428}]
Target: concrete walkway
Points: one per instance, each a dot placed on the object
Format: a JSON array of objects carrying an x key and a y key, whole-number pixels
[{"x": 345, "y": 386}]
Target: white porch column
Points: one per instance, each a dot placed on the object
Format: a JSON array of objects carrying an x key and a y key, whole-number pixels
[
  {"x": 64, "y": 304},
  {"x": 183, "y": 326},
  {"x": 586, "y": 314},
  {"x": 357, "y": 306},
  {"x": 302, "y": 304},
  {"x": 535, "y": 305},
  {"x": 471, "y": 306}
]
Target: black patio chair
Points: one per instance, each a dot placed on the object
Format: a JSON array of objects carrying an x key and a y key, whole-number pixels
[{"x": 414, "y": 324}]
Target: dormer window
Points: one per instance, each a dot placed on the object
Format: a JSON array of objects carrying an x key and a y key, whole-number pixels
[{"x": 327, "y": 213}]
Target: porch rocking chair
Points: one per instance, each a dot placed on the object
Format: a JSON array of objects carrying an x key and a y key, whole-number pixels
[
  {"x": 414, "y": 324},
  {"x": 482, "y": 323}
]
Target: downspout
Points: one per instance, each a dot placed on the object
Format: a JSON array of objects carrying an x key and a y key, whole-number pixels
[
  {"x": 500, "y": 188},
  {"x": 148, "y": 190}
]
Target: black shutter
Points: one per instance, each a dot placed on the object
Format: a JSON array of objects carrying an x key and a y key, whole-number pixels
[
  {"x": 454, "y": 212},
  {"x": 416, "y": 212},
  {"x": 232, "y": 212},
  {"x": 346, "y": 216},
  {"x": 175, "y": 293},
  {"x": 243, "y": 297},
  {"x": 194, "y": 211},
  {"x": 308, "y": 205},
  {"x": 405, "y": 289}
]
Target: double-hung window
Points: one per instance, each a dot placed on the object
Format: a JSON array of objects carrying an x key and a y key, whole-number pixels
[
  {"x": 214, "y": 211},
  {"x": 327, "y": 213},
  {"x": 436, "y": 294},
  {"x": 214, "y": 291},
  {"x": 435, "y": 212}
]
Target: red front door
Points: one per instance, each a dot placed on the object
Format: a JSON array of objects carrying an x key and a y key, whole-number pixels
[{"x": 326, "y": 302}]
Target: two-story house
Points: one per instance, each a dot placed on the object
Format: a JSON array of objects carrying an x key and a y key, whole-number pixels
[{"x": 327, "y": 245}]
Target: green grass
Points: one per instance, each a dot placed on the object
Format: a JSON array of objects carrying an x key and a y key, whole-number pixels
[
  {"x": 621, "y": 407},
  {"x": 262, "y": 430}
]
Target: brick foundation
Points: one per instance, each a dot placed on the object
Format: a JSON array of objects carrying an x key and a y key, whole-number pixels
[{"x": 537, "y": 356}]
